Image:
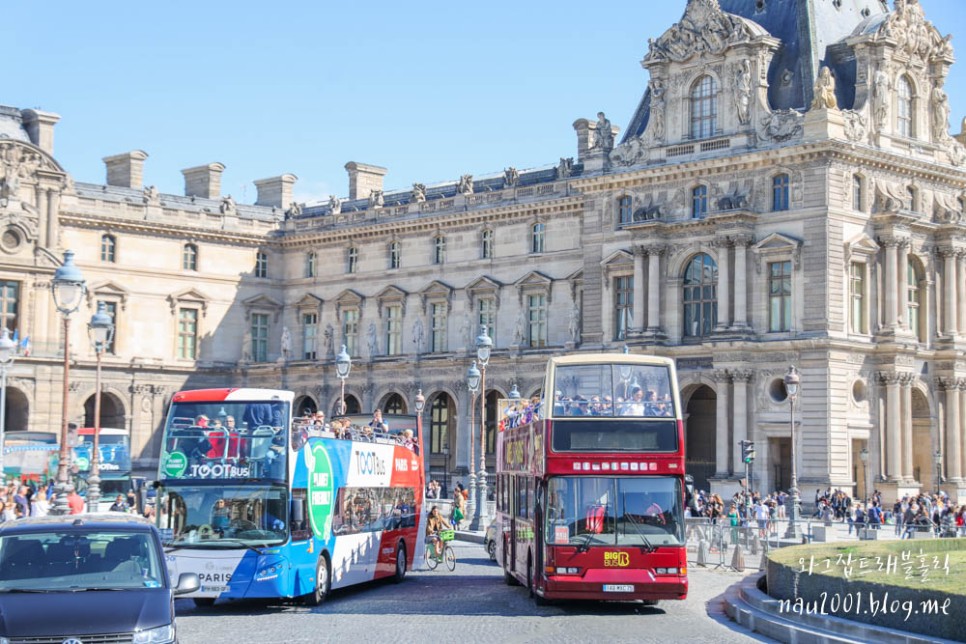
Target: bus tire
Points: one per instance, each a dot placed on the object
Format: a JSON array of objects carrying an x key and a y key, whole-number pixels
[
  {"x": 204, "y": 602},
  {"x": 508, "y": 578},
  {"x": 400, "y": 563},
  {"x": 537, "y": 599},
  {"x": 323, "y": 578}
]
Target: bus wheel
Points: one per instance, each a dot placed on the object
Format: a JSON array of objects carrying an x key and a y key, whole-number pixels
[
  {"x": 537, "y": 599},
  {"x": 400, "y": 563},
  {"x": 508, "y": 578},
  {"x": 204, "y": 602},
  {"x": 322, "y": 579}
]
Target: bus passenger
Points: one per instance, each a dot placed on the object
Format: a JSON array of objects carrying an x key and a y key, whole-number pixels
[{"x": 635, "y": 406}]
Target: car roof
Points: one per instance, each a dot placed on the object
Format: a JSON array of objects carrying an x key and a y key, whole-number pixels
[{"x": 97, "y": 521}]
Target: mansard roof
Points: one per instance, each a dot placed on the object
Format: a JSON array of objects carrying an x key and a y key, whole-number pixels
[{"x": 11, "y": 124}]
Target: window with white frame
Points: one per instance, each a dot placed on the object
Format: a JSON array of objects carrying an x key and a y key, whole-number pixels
[
  {"x": 439, "y": 250},
  {"x": 915, "y": 293},
  {"x": 779, "y": 296},
  {"x": 261, "y": 264},
  {"x": 857, "y": 192},
  {"x": 537, "y": 320},
  {"x": 538, "y": 233},
  {"x": 438, "y": 331},
  {"x": 700, "y": 296},
  {"x": 486, "y": 244},
  {"x": 259, "y": 329},
  {"x": 110, "y": 308},
  {"x": 395, "y": 255},
  {"x": 108, "y": 249},
  {"x": 10, "y": 304},
  {"x": 310, "y": 335},
  {"x": 350, "y": 330},
  {"x": 905, "y": 108},
  {"x": 779, "y": 192},
  {"x": 352, "y": 260},
  {"x": 310, "y": 263},
  {"x": 189, "y": 257},
  {"x": 625, "y": 206},
  {"x": 394, "y": 323},
  {"x": 187, "y": 347},
  {"x": 486, "y": 309},
  {"x": 699, "y": 202},
  {"x": 704, "y": 108},
  {"x": 623, "y": 305},
  {"x": 858, "y": 285}
]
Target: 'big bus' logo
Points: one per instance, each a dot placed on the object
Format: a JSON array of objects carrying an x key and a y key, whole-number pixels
[{"x": 616, "y": 560}]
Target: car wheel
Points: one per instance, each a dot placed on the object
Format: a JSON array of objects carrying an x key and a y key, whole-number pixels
[
  {"x": 204, "y": 602},
  {"x": 491, "y": 550}
]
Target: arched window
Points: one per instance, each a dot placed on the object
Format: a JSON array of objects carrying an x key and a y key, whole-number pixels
[
  {"x": 624, "y": 206},
  {"x": 704, "y": 108},
  {"x": 699, "y": 202},
  {"x": 915, "y": 309},
  {"x": 352, "y": 260},
  {"x": 395, "y": 255},
  {"x": 538, "y": 233},
  {"x": 700, "y": 296},
  {"x": 108, "y": 249},
  {"x": 310, "y": 260},
  {"x": 394, "y": 405},
  {"x": 439, "y": 250},
  {"x": 189, "y": 257},
  {"x": 904, "y": 108},
  {"x": 779, "y": 191},
  {"x": 439, "y": 422},
  {"x": 856, "y": 192}
]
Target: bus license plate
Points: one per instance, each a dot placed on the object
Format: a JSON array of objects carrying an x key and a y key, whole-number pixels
[{"x": 618, "y": 588}]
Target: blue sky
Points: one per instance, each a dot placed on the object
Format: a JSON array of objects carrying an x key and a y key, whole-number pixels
[{"x": 430, "y": 90}]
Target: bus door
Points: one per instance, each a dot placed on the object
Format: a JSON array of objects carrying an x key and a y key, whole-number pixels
[{"x": 511, "y": 483}]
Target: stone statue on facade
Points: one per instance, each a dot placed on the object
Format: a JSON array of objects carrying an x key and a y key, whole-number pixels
[
  {"x": 247, "y": 346},
  {"x": 376, "y": 199},
  {"x": 371, "y": 340},
  {"x": 604, "y": 134},
  {"x": 518, "y": 330},
  {"x": 151, "y": 196},
  {"x": 294, "y": 210},
  {"x": 510, "y": 178},
  {"x": 656, "y": 123},
  {"x": 939, "y": 104},
  {"x": 418, "y": 335},
  {"x": 825, "y": 91},
  {"x": 227, "y": 206},
  {"x": 880, "y": 98},
  {"x": 286, "y": 344},
  {"x": 465, "y": 185},
  {"x": 419, "y": 193},
  {"x": 743, "y": 92},
  {"x": 574, "y": 326},
  {"x": 335, "y": 205},
  {"x": 328, "y": 337},
  {"x": 565, "y": 168},
  {"x": 10, "y": 187}
]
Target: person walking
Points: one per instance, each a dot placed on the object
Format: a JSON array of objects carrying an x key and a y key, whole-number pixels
[{"x": 459, "y": 507}]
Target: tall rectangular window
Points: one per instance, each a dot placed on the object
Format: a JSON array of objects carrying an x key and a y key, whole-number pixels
[
  {"x": 438, "y": 338},
  {"x": 394, "y": 323},
  {"x": 439, "y": 250},
  {"x": 261, "y": 264},
  {"x": 779, "y": 190},
  {"x": 857, "y": 193},
  {"x": 625, "y": 208},
  {"x": 779, "y": 296},
  {"x": 189, "y": 257},
  {"x": 486, "y": 307},
  {"x": 310, "y": 264},
  {"x": 538, "y": 235},
  {"x": 260, "y": 337},
  {"x": 108, "y": 249},
  {"x": 486, "y": 247},
  {"x": 111, "y": 309},
  {"x": 623, "y": 305},
  {"x": 537, "y": 320},
  {"x": 352, "y": 263},
  {"x": 310, "y": 335},
  {"x": 10, "y": 304},
  {"x": 188, "y": 334},
  {"x": 350, "y": 330},
  {"x": 857, "y": 292},
  {"x": 395, "y": 255},
  {"x": 704, "y": 108},
  {"x": 439, "y": 427},
  {"x": 699, "y": 202}
]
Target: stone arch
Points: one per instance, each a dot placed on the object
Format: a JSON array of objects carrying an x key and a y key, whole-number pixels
[
  {"x": 393, "y": 402},
  {"x": 700, "y": 401},
  {"x": 924, "y": 445},
  {"x": 352, "y": 405},
  {"x": 304, "y": 405},
  {"x": 16, "y": 415},
  {"x": 440, "y": 441},
  {"x": 112, "y": 411}
]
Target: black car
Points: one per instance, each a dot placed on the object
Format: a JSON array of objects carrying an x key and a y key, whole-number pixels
[{"x": 67, "y": 578}]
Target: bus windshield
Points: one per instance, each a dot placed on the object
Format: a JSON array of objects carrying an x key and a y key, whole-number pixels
[
  {"x": 225, "y": 517},
  {"x": 614, "y": 511},
  {"x": 611, "y": 390},
  {"x": 225, "y": 440}
]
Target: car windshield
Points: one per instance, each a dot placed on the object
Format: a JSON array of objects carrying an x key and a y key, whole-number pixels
[
  {"x": 220, "y": 517},
  {"x": 608, "y": 511},
  {"x": 72, "y": 561}
]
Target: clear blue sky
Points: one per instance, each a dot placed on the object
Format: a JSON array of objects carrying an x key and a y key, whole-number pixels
[{"x": 430, "y": 90}]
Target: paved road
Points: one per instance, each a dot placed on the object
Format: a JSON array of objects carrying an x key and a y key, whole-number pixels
[{"x": 469, "y": 605}]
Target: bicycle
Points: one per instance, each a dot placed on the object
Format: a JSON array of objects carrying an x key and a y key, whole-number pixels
[{"x": 447, "y": 555}]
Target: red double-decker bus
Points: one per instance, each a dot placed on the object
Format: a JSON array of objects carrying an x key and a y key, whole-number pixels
[{"x": 590, "y": 482}]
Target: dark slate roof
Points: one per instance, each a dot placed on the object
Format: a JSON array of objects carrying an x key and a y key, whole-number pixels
[
  {"x": 807, "y": 30},
  {"x": 11, "y": 124}
]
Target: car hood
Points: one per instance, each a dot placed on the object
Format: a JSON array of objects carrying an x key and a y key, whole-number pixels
[{"x": 84, "y": 612}]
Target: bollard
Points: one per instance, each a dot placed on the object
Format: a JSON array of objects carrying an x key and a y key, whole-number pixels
[
  {"x": 754, "y": 544},
  {"x": 738, "y": 560},
  {"x": 702, "y": 553}
]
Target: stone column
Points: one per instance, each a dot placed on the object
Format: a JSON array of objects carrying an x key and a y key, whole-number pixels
[
  {"x": 740, "y": 378},
  {"x": 907, "y": 467},
  {"x": 639, "y": 296},
  {"x": 890, "y": 287},
  {"x": 949, "y": 281},
  {"x": 953, "y": 447},
  {"x": 902, "y": 286},
  {"x": 722, "y": 378},
  {"x": 724, "y": 284},
  {"x": 53, "y": 218},
  {"x": 960, "y": 290},
  {"x": 654, "y": 289},
  {"x": 893, "y": 454},
  {"x": 741, "y": 282}
]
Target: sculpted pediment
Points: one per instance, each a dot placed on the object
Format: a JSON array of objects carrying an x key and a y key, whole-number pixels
[
  {"x": 777, "y": 242},
  {"x": 704, "y": 28},
  {"x": 309, "y": 301},
  {"x": 618, "y": 260},
  {"x": 109, "y": 290}
]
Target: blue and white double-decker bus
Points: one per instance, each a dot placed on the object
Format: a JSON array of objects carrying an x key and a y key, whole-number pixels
[{"x": 263, "y": 505}]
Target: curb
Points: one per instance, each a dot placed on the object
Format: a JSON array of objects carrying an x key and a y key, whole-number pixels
[{"x": 471, "y": 537}]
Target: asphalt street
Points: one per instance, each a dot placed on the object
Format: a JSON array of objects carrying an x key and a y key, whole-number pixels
[{"x": 469, "y": 605}]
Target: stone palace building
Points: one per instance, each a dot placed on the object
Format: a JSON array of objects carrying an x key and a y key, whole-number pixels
[{"x": 787, "y": 193}]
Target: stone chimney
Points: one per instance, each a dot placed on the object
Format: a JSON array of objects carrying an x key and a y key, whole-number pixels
[
  {"x": 585, "y": 137},
  {"x": 203, "y": 181},
  {"x": 275, "y": 191},
  {"x": 961, "y": 137},
  {"x": 40, "y": 128},
  {"x": 126, "y": 170},
  {"x": 364, "y": 179}
]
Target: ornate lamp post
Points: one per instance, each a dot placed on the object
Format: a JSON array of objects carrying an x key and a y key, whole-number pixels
[
  {"x": 483, "y": 346},
  {"x": 473, "y": 384},
  {"x": 343, "y": 365},
  {"x": 864, "y": 457},
  {"x": 7, "y": 349},
  {"x": 101, "y": 331},
  {"x": 68, "y": 288},
  {"x": 938, "y": 456},
  {"x": 419, "y": 403},
  {"x": 792, "y": 381}
]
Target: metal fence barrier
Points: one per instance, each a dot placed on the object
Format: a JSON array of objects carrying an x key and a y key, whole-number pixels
[{"x": 722, "y": 545}]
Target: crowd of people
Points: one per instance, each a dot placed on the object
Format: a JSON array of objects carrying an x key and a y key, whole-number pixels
[
  {"x": 376, "y": 430},
  {"x": 21, "y": 498}
]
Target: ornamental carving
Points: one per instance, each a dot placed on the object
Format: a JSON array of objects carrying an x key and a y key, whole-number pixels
[
  {"x": 376, "y": 199},
  {"x": 889, "y": 197},
  {"x": 912, "y": 34},
  {"x": 419, "y": 193},
  {"x": 633, "y": 152},
  {"x": 781, "y": 126},
  {"x": 946, "y": 209},
  {"x": 704, "y": 28},
  {"x": 855, "y": 125}
]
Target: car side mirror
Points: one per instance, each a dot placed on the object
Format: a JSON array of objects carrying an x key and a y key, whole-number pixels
[{"x": 188, "y": 582}]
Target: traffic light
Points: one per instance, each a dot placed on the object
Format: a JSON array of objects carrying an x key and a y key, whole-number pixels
[{"x": 748, "y": 451}]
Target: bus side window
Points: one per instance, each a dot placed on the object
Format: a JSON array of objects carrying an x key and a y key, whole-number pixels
[{"x": 298, "y": 517}]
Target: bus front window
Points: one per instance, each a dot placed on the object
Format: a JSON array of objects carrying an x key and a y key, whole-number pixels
[
  {"x": 622, "y": 511},
  {"x": 221, "y": 517}
]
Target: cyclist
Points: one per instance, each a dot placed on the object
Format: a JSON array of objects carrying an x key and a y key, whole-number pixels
[{"x": 434, "y": 524}]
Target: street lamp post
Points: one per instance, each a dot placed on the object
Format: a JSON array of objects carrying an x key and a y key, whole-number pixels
[
  {"x": 473, "y": 384},
  {"x": 343, "y": 364},
  {"x": 792, "y": 381},
  {"x": 483, "y": 346},
  {"x": 939, "y": 468},
  {"x": 419, "y": 403},
  {"x": 101, "y": 331},
  {"x": 864, "y": 457},
  {"x": 445, "y": 452},
  {"x": 68, "y": 288},
  {"x": 7, "y": 348}
]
